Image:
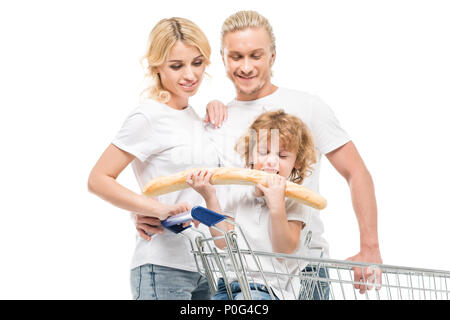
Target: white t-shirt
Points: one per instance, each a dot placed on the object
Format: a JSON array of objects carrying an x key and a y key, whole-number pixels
[
  {"x": 166, "y": 141},
  {"x": 252, "y": 215},
  {"x": 328, "y": 136}
]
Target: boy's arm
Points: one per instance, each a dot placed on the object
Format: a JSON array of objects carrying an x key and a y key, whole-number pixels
[
  {"x": 285, "y": 235},
  {"x": 212, "y": 203},
  {"x": 199, "y": 181}
]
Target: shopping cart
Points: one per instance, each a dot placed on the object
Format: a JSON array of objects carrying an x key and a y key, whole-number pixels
[{"x": 323, "y": 279}]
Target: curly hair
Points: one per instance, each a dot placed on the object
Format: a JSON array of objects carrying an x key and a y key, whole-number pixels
[{"x": 294, "y": 135}]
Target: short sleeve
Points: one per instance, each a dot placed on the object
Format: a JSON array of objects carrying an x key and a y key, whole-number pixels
[
  {"x": 136, "y": 136},
  {"x": 296, "y": 211},
  {"x": 325, "y": 127}
]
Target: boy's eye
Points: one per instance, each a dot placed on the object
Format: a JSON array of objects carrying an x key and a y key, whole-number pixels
[
  {"x": 256, "y": 57},
  {"x": 235, "y": 58}
]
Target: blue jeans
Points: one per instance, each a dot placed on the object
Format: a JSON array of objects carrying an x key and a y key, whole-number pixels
[
  {"x": 154, "y": 282},
  {"x": 257, "y": 290},
  {"x": 315, "y": 290}
]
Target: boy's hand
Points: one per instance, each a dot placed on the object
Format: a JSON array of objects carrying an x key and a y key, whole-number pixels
[
  {"x": 199, "y": 180},
  {"x": 275, "y": 192}
]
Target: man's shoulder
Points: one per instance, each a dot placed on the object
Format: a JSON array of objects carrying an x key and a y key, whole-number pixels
[{"x": 284, "y": 91}]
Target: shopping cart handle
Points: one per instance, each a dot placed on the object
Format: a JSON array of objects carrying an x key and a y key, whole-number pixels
[
  {"x": 175, "y": 223},
  {"x": 206, "y": 216}
]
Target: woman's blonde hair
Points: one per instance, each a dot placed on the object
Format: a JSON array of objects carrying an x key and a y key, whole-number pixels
[
  {"x": 161, "y": 40},
  {"x": 242, "y": 20},
  {"x": 293, "y": 134}
]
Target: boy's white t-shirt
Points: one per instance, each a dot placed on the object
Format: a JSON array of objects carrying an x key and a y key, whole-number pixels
[
  {"x": 252, "y": 215},
  {"x": 166, "y": 141},
  {"x": 325, "y": 128}
]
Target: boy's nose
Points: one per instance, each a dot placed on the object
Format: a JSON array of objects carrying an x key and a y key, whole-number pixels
[{"x": 272, "y": 160}]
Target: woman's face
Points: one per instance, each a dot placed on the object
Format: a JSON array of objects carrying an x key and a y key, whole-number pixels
[{"x": 182, "y": 73}]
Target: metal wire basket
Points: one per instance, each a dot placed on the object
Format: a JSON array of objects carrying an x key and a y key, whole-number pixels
[{"x": 284, "y": 276}]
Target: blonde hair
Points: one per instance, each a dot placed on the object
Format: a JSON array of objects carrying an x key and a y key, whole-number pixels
[
  {"x": 294, "y": 135},
  {"x": 161, "y": 40},
  {"x": 242, "y": 20}
]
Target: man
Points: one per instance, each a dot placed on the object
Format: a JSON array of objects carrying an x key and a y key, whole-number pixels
[{"x": 248, "y": 53}]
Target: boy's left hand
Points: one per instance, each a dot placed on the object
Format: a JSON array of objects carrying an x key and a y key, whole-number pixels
[
  {"x": 199, "y": 180},
  {"x": 275, "y": 192}
]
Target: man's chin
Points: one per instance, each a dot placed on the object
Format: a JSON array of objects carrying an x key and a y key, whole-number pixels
[{"x": 247, "y": 91}]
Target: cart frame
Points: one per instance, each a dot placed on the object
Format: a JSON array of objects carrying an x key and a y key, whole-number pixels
[{"x": 335, "y": 282}]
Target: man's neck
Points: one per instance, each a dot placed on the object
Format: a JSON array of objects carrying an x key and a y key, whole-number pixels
[{"x": 264, "y": 92}]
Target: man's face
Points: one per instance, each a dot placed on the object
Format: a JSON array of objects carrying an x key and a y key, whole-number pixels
[{"x": 248, "y": 60}]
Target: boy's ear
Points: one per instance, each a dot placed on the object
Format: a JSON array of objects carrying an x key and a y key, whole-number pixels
[{"x": 297, "y": 164}]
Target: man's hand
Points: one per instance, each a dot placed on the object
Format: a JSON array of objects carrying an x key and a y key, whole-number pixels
[
  {"x": 147, "y": 226},
  {"x": 216, "y": 113},
  {"x": 370, "y": 276}
]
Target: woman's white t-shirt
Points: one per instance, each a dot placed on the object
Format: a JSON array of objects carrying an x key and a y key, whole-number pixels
[{"x": 166, "y": 141}]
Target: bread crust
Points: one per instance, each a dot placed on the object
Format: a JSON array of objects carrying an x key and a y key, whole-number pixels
[{"x": 240, "y": 176}]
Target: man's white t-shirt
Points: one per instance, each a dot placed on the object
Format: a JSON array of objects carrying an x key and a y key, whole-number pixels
[
  {"x": 166, "y": 141},
  {"x": 252, "y": 215},
  {"x": 325, "y": 128}
]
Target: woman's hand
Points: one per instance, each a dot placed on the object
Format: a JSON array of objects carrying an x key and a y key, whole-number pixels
[
  {"x": 216, "y": 113},
  {"x": 199, "y": 180},
  {"x": 275, "y": 192},
  {"x": 166, "y": 210}
]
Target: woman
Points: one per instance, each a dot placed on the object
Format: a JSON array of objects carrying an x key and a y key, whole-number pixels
[{"x": 160, "y": 137}]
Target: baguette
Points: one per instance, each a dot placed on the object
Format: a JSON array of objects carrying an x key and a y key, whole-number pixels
[{"x": 221, "y": 176}]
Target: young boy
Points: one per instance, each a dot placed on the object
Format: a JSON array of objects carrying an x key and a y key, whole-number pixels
[{"x": 281, "y": 145}]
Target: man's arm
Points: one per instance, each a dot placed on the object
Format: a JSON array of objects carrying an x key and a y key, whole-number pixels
[{"x": 347, "y": 161}]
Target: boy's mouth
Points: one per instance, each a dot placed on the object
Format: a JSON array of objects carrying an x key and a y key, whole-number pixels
[{"x": 270, "y": 170}]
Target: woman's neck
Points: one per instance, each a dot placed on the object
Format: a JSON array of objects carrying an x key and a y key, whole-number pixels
[{"x": 178, "y": 103}]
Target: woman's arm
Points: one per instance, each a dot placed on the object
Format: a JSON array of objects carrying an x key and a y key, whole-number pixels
[{"x": 102, "y": 182}]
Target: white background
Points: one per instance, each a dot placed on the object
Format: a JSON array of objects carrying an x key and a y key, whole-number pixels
[{"x": 70, "y": 74}]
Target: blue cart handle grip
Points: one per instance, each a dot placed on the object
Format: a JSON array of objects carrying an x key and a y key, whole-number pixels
[{"x": 206, "y": 216}]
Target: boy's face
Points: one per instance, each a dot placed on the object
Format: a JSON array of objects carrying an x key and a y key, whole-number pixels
[
  {"x": 278, "y": 160},
  {"x": 248, "y": 60}
]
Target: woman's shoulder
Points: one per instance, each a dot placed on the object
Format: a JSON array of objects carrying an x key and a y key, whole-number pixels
[{"x": 149, "y": 109}]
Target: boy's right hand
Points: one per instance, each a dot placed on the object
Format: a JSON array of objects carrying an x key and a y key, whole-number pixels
[{"x": 199, "y": 180}]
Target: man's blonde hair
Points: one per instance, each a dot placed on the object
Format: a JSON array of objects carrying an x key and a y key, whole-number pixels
[
  {"x": 293, "y": 134},
  {"x": 242, "y": 20},
  {"x": 161, "y": 40}
]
